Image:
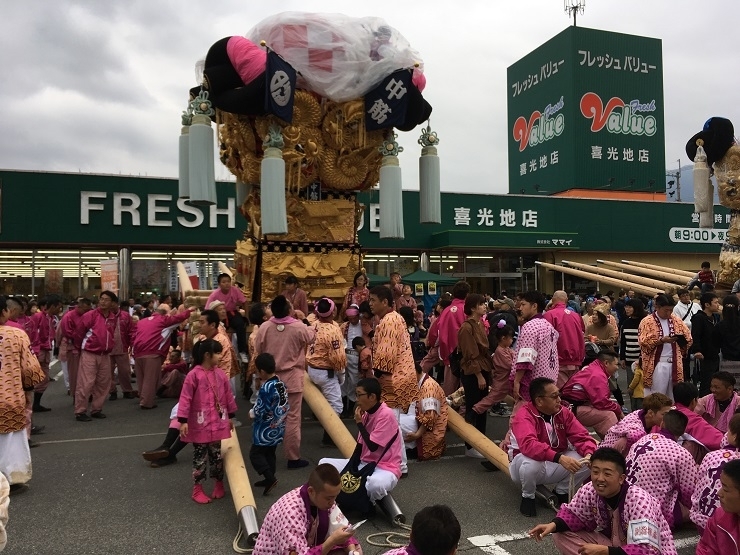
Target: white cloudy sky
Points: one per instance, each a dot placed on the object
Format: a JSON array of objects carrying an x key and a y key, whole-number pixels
[{"x": 98, "y": 86}]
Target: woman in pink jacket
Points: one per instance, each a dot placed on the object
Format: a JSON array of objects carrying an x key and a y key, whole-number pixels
[{"x": 205, "y": 411}]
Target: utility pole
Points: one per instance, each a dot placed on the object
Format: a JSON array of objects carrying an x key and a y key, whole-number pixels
[
  {"x": 574, "y": 7},
  {"x": 678, "y": 182}
]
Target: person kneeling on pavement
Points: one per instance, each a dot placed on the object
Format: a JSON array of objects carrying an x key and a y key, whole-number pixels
[
  {"x": 542, "y": 432},
  {"x": 307, "y": 521},
  {"x": 377, "y": 457},
  {"x": 166, "y": 453},
  {"x": 607, "y": 515}
]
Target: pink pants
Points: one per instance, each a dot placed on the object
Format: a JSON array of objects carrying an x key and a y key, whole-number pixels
[
  {"x": 44, "y": 358},
  {"x": 568, "y": 543},
  {"x": 500, "y": 388},
  {"x": 292, "y": 438},
  {"x": 123, "y": 363},
  {"x": 451, "y": 383},
  {"x": 93, "y": 378},
  {"x": 73, "y": 365},
  {"x": 565, "y": 373},
  {"x": 148, "y": 375},
  {"x": 599, "y": 420},
  {"x": 172, "y": 383}
]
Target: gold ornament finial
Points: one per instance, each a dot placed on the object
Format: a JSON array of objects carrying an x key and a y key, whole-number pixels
[
  {"x": 416, "y": 64},
  {"x": 263, "y": 43},
  {"x": 699, "y": 142}
]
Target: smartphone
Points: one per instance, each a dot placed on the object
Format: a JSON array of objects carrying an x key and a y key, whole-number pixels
[{"x": 356, "y": 525}]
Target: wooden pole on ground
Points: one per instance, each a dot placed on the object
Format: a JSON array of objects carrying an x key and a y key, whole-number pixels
[
  {"x": 603, "y": 279},
  {"x": 479, "y": 441},
  {"x": 682, "y": 273},
  {"x": 671, "y": 278},
  {"x": 241, "y": 490},
  {"x": 651, "y": 282}
]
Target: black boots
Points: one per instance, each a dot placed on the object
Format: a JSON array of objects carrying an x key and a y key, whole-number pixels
[
  {"x": 37, "y": 403},
  {"x": 348, "y": 408}
]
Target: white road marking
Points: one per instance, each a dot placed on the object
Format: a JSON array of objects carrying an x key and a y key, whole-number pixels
[
  {"x": 490, "y": 543},
  {"x": 96, "y": 438}
]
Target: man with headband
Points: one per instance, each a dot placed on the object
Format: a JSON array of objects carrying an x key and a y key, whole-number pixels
[{"x": 326, "y": 358}]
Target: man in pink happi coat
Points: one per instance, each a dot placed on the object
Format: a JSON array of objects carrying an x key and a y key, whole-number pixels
[
  {"x": 150, "y": 346},
  {"x": 287, "y": 339},
  {"x": 608, "y": 515},
  {"x": 123, "y": 338},
  {"x": 638, "y": 423},
  {"x": 588, "y": 391},
  {"x": 571, "y": 330},
  {"x": 307, "y": 521},
  {"x": 450, "y": 321},
  {"x": 705, "y": 499},
  {"x": 657, "y": 464},
  {"x": 723, "y": 529},
  {"x": 42, "y": 331},
  {"x": 700, "y": 437},
  {"x": 719, "y": 406},
  {"x": 68, "y": 325},
  {"x": 547, "y": 443},
  {"x": 94, "y": 338},
  {"x": 536, "y": 348}
]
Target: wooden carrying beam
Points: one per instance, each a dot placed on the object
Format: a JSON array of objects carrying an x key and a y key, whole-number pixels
[
  {"x": 681, "y": 273},
  {"x": 596, "y": 277},
  {"x": 479, "y": 441},
  {"x": 650, "y": 282},
  {"x": 671, "y": 278},
  {"x": 344, "y": 441},
  {"x": 241, "y": 490}
]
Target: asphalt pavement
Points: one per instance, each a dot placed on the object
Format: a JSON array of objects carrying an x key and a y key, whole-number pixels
[{"x": 92, "y": 493}]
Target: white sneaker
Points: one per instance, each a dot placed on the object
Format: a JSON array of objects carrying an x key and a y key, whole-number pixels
[
  {"x": 237, "y": 423},
  {"x": 473, "y": 453}
]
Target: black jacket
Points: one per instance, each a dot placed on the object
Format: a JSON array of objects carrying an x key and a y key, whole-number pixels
[{"x": 703, "y": 333}]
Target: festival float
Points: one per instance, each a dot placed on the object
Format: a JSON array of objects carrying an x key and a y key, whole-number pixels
[{"x": 306, "y": 109}]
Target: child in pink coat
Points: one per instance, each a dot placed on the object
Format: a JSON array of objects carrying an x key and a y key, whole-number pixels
[{"x": 205, "y": 412}]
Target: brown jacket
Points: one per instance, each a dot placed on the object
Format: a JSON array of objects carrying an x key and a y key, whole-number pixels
[
  {"x": 20, "y": 372},
  {"x": 473, "y": 344}
]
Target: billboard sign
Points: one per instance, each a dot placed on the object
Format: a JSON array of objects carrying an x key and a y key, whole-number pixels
[{"x": 596, "y": 123}]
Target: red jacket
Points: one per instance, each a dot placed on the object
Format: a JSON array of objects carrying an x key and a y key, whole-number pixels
[
  {"x": 94, "y": 332},
  {"x": 701, "y": 430},
  {"x": 570, "y": 326},
  {"x": 722, "y": 535},
  {"x": 530, "y": 435},
  {"x": 67, "y": 327},
  {"x": 450, "y": 321},
  {"x": 590, "y": 386},
  {"x": 42, "y": 332},
  {"x": 153, "y": 333},
  {"x": 127, "y": 328}
]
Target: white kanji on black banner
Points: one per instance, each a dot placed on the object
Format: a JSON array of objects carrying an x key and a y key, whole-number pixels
[
  {"x": 385, "y": 105},
  {"x": 281, "y": 78}
]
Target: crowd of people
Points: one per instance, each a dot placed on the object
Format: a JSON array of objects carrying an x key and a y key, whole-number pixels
[{"x": 663, "y": 459}]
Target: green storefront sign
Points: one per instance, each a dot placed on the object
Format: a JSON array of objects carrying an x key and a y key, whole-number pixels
[
  {"x": 103, "y": 210},
  {"x": 585, "y": 111},
  {"x": 547, "y": 223}
]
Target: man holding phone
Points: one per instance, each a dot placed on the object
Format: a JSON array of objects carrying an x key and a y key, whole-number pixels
[{"x": 664, "y": 342}]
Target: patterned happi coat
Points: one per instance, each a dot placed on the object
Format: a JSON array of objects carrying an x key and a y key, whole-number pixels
[
  {"x": 392, "y": 356},
  {"x": 536, "y": 353},
  {"x": 589, "y": 512},
  {"x": 631, "y": 427},
  {"x": 704, "y": 501},
  {"x": 664, "y": 469},
  {"x": 289, "y": 527}
]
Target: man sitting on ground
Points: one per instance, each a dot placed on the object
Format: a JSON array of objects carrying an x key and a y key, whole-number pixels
[
  {"x": 608, "y": 512},
  {"x": 588, "y": 390},
  {"x": 719, "y": 407},
  {"x": 723, "y": 529},
  {"x": 299, "y": 521},
  {"x": 664, "y": 469},
  {"x": 379, "y": 439},
  {"x": 700, "y": 436},
  {"x": 541, "y": 434},
  {"x": 435, "y": 531},
  {"x": 637, "y": 424},
  {"x": 425, "y": 425}
]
